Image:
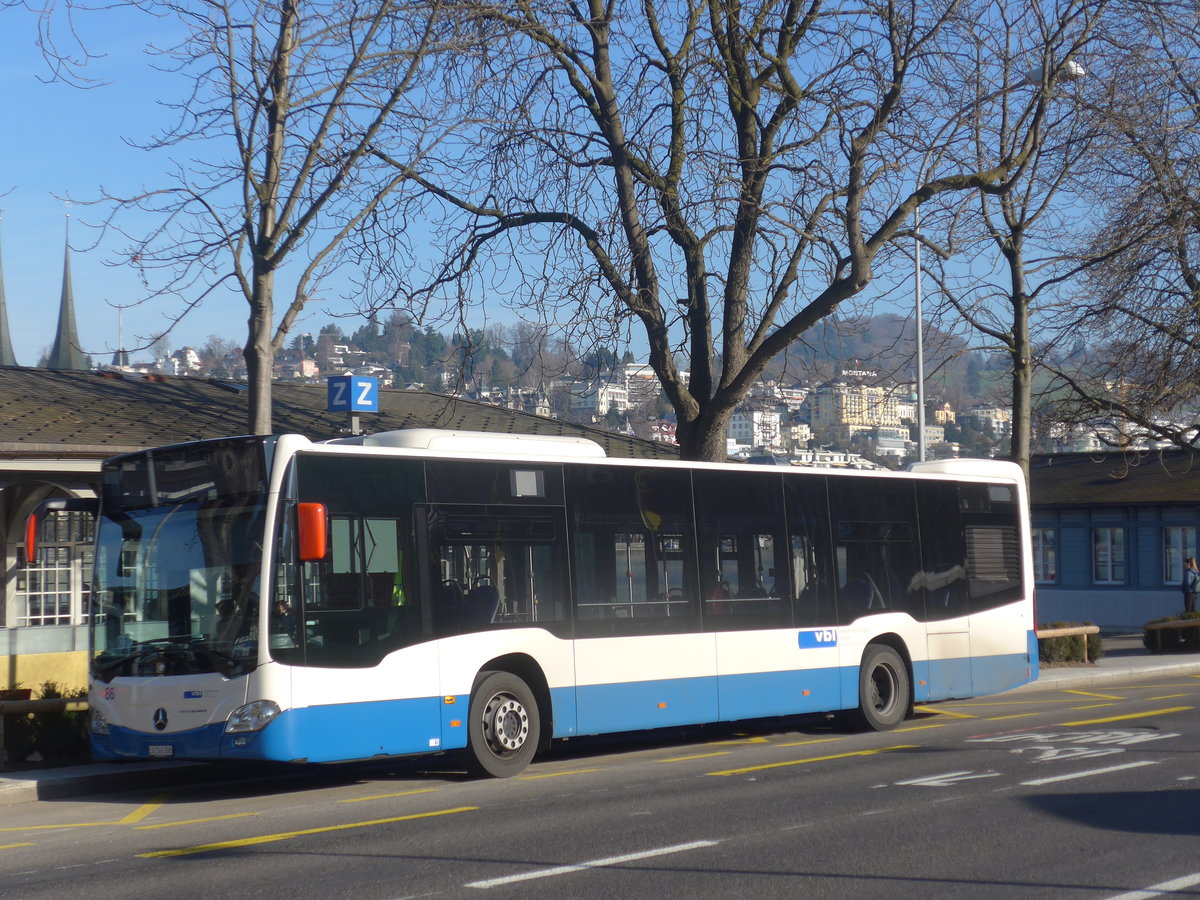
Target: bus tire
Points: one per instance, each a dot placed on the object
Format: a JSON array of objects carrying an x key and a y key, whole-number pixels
[
  {"x": 503, "y": 726},
  {"x": 883, "y": 688}
]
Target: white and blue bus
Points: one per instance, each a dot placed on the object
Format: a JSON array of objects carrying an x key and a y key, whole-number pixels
[{"x": 424, "y": 591}]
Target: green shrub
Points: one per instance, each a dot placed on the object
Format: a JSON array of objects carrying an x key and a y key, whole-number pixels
[
  {"x": 60, "y": 735},
  {"x": 1069, "y": 648},
  {"x": 18, "y": 736}
]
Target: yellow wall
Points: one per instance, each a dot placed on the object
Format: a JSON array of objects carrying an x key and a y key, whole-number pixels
[{"x": 68, "y": 670}]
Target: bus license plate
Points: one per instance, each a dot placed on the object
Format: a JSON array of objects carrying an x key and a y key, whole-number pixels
[{"x": 162, "y": 751}]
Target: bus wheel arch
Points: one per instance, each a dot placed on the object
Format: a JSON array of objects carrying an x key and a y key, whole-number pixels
[
  {"x": 885, "y": 692},
  {"x": 508, "y": 718}
]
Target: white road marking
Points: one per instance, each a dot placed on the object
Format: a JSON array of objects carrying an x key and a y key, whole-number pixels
[
  {"x": 1040, "y": 781},
  {"x": 594, "y": 864},
  {"x": 1157, "y": 890},
  {"x": 948, "y": 779}
]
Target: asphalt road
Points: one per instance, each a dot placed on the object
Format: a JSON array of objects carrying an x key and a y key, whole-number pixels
[{"x": 1087, "y": 793}]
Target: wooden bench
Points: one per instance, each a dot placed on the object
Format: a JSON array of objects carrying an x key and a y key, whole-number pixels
[
  {"x": 24, "y": 707},
  {"x": 1069, "y": 631},
  {"x": 1155, "y": 632}
]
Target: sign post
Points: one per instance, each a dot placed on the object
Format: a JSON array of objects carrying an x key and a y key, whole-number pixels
[{"x": 353, "y": 394}]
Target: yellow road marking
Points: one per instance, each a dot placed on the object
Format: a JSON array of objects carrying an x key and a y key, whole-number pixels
[
  {"x": 697, "y": 756},
  {"x": 923, "y": 727},
  {"x": 745, "y": 740},
  {"x": 198, "y": 821},
  {"x": 52, "y": 827},
  {"x": 1013, "y": 716},
  {"x": 145, "y": 809},
  {"x": 557, "y": 774},
  {"x": 1141, "y": 715},
  {"x": 288, "y": 835},
  {"x": 14, "y": 846},
  {"x": 813, "y": 759},
  {"x": 1092, "y": 706},
  {"x": 1167, "y": 697},
  {"x": 813, "y": 741},
  {"x": 944, "y": 712},
  {"x": 388, "y": 796},
  {"x": 1090, "y": 694},
  {"x": 1016, "y": 702}
]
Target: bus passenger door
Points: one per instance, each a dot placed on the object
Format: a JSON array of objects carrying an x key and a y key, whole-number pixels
[
  {"x": 1000, "y": 621},
  {"x": 943, "y": 577},
  {"x": 641, "y": 659}
]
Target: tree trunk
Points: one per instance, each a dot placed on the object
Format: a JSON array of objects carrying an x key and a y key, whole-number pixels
[
  {"x": 259, "y": 353},
  {"x": 1022, "y": 363},
  {"x": 705, "y": 439}
]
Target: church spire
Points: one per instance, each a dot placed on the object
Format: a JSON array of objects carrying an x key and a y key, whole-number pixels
[
  {"x": 7, "y": 357},
  {"x": 65, "y": 354}
]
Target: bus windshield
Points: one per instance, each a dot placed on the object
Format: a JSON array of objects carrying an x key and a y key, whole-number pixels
[{"x": 179, "y": 549}]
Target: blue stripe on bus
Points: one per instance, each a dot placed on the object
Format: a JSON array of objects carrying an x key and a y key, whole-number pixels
[
  {"x": 636, "y": 705},
  {"x": 126, "y": 743},
  {"x": 760, "y": 694},
  {"x": 993, "y": 674},
  {"x": 348, "y": 731}
]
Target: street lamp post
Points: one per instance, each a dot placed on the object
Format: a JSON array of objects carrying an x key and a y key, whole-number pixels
[
  {"x": 1070, "y": 71},
  {"x": 920, "y": 339}
]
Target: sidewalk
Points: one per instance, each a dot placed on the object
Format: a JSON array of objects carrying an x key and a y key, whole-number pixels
[{"x": 1124, "y": 658}]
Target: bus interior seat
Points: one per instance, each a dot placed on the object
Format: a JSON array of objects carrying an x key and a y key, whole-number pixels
[
  {"x": 480, "y": 605},
  {"x": 343, "y": 590}
]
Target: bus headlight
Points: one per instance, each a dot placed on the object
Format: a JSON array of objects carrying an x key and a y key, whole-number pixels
[
  {"x": 253, "y": 716},
  {"x": 97, "y": 723}
]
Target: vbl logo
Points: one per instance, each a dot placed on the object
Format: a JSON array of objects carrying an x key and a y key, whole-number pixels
[{"x": 818, "y": 637}]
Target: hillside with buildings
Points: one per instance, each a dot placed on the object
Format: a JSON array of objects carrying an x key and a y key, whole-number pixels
[{"x": 820, "y": 404}]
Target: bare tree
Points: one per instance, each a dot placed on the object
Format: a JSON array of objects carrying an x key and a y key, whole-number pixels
[
  {"x": 1024, "y": 224},
  {"x": 286, "y": 101},
  {"x": 718, "y": 175},
  {"x": 1140, "y": 375}
]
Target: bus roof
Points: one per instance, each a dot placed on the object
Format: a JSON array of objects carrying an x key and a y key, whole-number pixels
[{"x": 481, "y": 443}]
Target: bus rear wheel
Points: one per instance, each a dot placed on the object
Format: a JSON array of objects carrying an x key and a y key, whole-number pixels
[
  {"x": 503, "y": 726},
  {"x": 883, "y": 688}
]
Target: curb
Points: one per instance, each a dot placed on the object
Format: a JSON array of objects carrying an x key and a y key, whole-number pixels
[
  {"x": 1085, "y": 677},
  {"x": 72, "y": 781}
]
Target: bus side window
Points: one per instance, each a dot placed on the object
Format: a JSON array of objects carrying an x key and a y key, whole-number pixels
[
  {"x": 635, "y": 559},
  {"x": 811, "y": 564},
  {"x": 494, "y": 567}
]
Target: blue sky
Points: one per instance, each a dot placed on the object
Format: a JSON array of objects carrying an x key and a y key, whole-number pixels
[{"x": 61, "y": 141}]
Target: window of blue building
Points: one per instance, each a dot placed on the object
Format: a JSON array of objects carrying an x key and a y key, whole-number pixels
[
  {"x": 1045, "y": 555},
  {"x": 1108, "y": 555},
  {"x": 1179, "y": 542}
]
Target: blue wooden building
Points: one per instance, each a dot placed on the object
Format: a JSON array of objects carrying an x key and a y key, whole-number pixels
[{"x": 1110, "y": 534}]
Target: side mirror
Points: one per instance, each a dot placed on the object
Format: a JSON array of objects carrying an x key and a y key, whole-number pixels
[
  {"x": 33, "y": 524},
  {"x": 311, "y": 531}
]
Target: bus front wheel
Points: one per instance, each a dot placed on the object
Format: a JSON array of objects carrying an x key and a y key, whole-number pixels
[
  {"x": 503, "y": 728},
  {"x": 883, "y": 688}
]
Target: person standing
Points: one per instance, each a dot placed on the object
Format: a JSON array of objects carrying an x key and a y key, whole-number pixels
[{"x": 1191, "y": 584}]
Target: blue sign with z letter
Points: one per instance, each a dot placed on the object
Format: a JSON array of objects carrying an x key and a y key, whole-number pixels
[{"x": 353, "y": 393}]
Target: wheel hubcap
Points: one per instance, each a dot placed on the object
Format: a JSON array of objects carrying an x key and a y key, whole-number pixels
[
  {"x": 883, "y": 689},
  {"x": 505, "y": 723}
]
